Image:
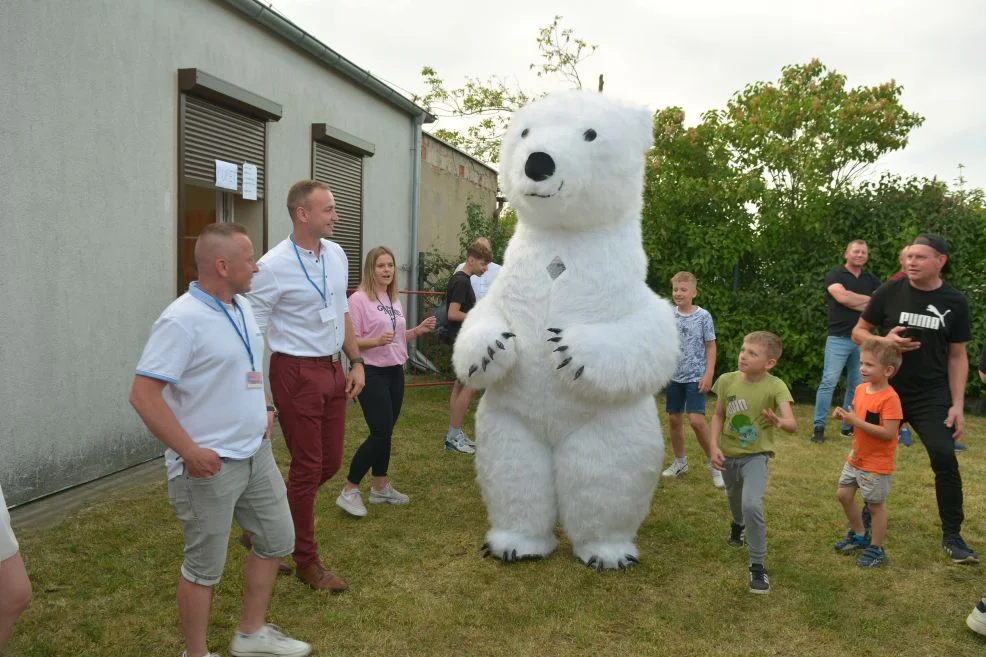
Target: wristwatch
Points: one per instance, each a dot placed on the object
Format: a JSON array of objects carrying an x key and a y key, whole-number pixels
[
  {"x": 271, "y": 409},
  {"x": 354, "y": 361}
]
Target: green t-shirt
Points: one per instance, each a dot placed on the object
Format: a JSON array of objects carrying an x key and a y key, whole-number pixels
[{"x": 745, "y": 430}]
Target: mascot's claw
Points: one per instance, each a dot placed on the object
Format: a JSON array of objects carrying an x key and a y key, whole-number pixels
[
  {"x": 490, "y": 353},
  {"x": 598, "y": 564},
  {"x": 562, "y": 349},
  {"x": 508, "y": 556}
]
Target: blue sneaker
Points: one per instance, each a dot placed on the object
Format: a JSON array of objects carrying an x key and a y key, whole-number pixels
[
  {"x": 959, "y": 551},
  {"x": 872, "y": 557},
  {"x": 959, "y": 447},
  {"x": 851, "y": 543}
]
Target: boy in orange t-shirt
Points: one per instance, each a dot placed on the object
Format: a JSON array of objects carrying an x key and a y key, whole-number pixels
[{"x": 876, "y": 420}]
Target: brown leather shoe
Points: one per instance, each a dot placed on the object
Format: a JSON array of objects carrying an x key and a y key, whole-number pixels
[
  {"x": 320, "y": 578},
  {"x": 247, "y": 541}
]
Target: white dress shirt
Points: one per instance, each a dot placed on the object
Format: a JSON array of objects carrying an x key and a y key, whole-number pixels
[{"x": 288, "y": 303}]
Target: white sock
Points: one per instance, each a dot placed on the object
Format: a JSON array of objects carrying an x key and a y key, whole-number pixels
[{"x": 683, "y": 459}]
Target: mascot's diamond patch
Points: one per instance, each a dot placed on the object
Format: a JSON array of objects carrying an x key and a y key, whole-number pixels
[{"x": 555, "y": 268}]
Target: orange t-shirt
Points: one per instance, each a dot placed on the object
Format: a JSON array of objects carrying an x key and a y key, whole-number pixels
[{"x": 870, "y": 453}]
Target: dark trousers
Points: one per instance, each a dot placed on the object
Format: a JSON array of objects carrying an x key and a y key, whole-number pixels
[
  {"x": 381, "y": 401},
  {"x": 311, "y": 400},
  {"x": 927, "y": 417}
]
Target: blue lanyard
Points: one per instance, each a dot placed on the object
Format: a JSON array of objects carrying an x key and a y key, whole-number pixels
[
  {"x": 245, "y": 335},
  {"x": 321, "y": 290}
]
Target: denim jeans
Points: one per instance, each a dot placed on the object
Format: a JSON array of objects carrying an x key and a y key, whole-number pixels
[{"x": 840, "y": 353}]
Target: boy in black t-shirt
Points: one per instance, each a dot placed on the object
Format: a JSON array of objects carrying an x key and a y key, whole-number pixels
[
  {"x": 460, "y": 299},
  {"x": 928, "y": 320}
]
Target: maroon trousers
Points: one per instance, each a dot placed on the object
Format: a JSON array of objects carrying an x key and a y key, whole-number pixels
[{"x": 310, "y": 396}]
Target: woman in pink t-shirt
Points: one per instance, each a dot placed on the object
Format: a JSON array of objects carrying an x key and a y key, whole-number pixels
[{"x": 382, "y": 335}]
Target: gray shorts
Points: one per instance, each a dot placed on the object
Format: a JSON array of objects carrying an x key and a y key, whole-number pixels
[
  {"x": 874, "y": 487},
  {"x": 8, "y": 543},
  {"x": 250, "y": 490}
]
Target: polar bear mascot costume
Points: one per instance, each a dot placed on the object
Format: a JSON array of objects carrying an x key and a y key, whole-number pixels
[{"x": 569, "y": 343}]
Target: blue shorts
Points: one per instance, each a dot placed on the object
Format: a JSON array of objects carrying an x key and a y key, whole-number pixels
[{"x": 684, "y": 397}]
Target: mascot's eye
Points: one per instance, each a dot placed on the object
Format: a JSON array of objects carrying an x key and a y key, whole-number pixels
[
  {"x": 524, "y": 133},
  {"x": 589, "y": 134}
]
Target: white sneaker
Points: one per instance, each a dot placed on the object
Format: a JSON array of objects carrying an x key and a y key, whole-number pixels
[
  {"x": 388, "y": 495},
  {"x": 466, "y": 439},
  {"x": 717, "y": 480},
  {"x": 208, "y": 654},
  {"x": 268, "y": 641},
  {"x": 976, "y": 620},
  {"x": 457, "y": 443},
  {"x": 351, "y": 502},
  {"x": 676, "y": 469}
]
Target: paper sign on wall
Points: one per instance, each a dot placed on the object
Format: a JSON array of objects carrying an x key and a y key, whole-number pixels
[
  {"x": 250, "y": 181},
  {"x": 226, "y": 175}
]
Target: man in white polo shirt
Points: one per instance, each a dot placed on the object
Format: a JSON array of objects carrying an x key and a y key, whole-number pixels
[
  {"x": 299, "y": 297},
  {"x": 200, "y": 390}
]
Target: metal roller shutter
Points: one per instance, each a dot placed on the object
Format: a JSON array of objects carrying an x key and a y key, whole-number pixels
[
  {"x": 343, "y": 173},
  {"x": 215, "y": 133}
]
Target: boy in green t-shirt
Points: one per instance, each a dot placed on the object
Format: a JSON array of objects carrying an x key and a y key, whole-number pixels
[{"x": 743, "y": 441}]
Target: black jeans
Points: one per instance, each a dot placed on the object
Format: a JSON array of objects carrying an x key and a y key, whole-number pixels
[
  {"x": 927, "y": 417},
  {"x": 381, "y": 401}
]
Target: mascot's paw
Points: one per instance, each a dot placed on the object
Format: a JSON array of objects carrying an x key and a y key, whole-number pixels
[
  {"x": 567, "y": 364},
  {"x": 608, "y": 556},
  {"x": 509, "y": 547},
  {"x": 487, "y": 362}
]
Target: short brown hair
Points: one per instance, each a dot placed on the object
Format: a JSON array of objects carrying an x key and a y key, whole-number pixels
[
  {"x": 480, "y": 251},
  {"x": 684, "y": 277},
  {"x": 299, "y": 193},
  {"x": 223, "y": 230},
  {"x": 770, "y": 343},
  {"x": 863, "y": 242},
  {"x": 885, "y": 353}
]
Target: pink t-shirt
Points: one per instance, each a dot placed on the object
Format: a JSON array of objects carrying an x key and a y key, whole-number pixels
[{"x": 371, "y": 319}]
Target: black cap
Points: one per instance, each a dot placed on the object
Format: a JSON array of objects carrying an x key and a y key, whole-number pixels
[{"x": 937, "y": 242}]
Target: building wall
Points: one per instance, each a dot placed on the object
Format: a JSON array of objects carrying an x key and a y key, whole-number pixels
[
  {"x": 449, "y": 179},
  {"x": 88, "y": 195}
]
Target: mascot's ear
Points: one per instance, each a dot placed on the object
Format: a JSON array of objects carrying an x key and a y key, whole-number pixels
[{"x": 643, "y": 125}]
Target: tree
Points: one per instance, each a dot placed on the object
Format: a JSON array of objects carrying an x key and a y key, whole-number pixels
[
  {"x": 492, "y": 100},
  {"x": 809, "y": 133}
]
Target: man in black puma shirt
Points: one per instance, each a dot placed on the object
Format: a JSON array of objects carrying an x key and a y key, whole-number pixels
[{"x": 928, "y": 320}]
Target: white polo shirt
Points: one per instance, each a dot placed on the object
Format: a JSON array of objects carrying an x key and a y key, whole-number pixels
[
  {"x": 481, "y": 284},
  {"x": 195, "y": 349},
  {"x": 287, "y": 297}
]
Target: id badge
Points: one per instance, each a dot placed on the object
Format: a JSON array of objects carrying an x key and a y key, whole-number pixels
[
  {"x": 326, "y": 315},
  {"x": 254, "y": 380}
]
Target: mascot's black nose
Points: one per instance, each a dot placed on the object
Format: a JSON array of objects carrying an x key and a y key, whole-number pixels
[{"x": 539, "y": 166}]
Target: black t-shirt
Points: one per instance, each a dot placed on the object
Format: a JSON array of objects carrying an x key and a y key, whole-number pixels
[
  {"x": 939, "y": 318},
  {"x": 459, "y": 291},
  {"x": 982, "y": 360},
  {"x": 843, "y": 319}
]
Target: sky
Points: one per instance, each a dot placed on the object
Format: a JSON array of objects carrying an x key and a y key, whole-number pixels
[{"x": 694, "y": 54}]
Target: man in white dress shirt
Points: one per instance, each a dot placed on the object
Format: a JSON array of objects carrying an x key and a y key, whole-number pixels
[{"x": 299, "y": 299}]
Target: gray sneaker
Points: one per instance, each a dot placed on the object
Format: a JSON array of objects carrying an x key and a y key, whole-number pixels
[
  {"x": 466, "y": 439},
  {"x": 388, "y": 496},
  {"x": 351, "y": 502},
  {"x": 268, "y": 641},
  {"x": 457, "y": 443}
]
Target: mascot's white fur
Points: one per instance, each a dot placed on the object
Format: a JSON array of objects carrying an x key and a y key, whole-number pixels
[{"x": 570, "y": 344}]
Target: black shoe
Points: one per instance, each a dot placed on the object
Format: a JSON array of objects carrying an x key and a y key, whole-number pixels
[
  {"x": 736, "y": 535},
  {"x": 759, "y": 582},
  {"x": 818, "y": 435},
  {"x": 867, "y": 519},
  {"x": 846, "y": 432},
  {"x": 959, "y": 551}
]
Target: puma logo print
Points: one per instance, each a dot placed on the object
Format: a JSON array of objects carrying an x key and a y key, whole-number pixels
[
  {"x": 932, "y": 309},
  {"x": 934, "y": 322}
]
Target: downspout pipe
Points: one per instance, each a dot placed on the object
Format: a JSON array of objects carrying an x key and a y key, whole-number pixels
[{"x": 412, "y": 302}]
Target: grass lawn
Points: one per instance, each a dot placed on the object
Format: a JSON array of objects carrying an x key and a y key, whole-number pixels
[{"x": 105, "y": 578}]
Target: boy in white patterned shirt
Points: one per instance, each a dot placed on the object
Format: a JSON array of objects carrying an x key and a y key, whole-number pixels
[{"x": 687, "y": 390}]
